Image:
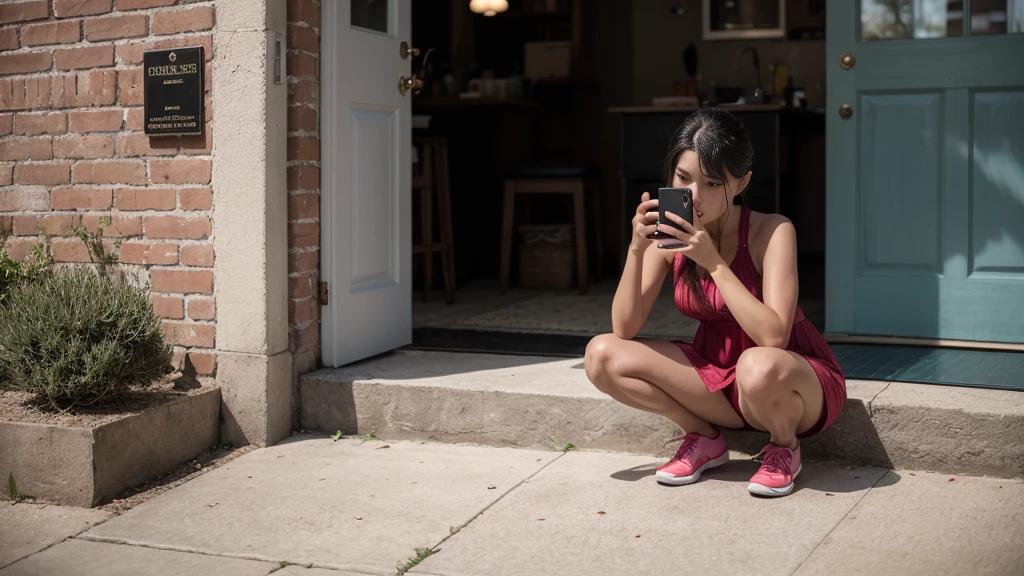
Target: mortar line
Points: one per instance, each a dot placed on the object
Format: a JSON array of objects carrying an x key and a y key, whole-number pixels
[{"x": 841, "y": 520}]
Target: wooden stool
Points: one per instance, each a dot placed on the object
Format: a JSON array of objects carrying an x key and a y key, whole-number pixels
[
  {"x": 570, "y": 181},
  {"x": 434, "y": 177}
]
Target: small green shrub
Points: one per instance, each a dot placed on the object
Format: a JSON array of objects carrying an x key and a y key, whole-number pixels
[
  {"x": 14, "y": 273},
  {"x": 75, "y": 338}
]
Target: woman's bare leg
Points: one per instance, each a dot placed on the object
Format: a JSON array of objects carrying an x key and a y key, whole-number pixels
[
  {"x": 778, "y": 392},
  {"x": 657, "y": 377}
]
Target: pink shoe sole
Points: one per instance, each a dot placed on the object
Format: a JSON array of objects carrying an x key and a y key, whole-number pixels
[
  {"x": 666, "y": 478},
  {"x": 762, "y": 490}
]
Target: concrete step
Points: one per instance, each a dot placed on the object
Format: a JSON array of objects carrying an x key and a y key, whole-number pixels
[{"x": 540, "y": 403}]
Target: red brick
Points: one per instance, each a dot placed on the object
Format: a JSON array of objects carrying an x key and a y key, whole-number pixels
[
  {"x": 131, "y": 52},
  {"x": 302, "y": 311},
  {"x": 6, "y": 174},
  {"x": 188, "y": 334},
  {"x": 69, "y": 250},
  {"x": 99, "y": 87},
  {"x": 302, "y": 119},
  {"x": 142, "y": 4},
  {"x": 202, "y": 144},
  {"x": 26, "y": 225},
  {"x": 303, "y": 206},
  {"x": 45, "y": 123},
  {"x": 59, "y": 224},
  {"x": 200, "y": 255},
  {"x": 95, "y": 120},
  {"x": 136, "y": 119},
  {"x": 78, "y": 198},
  {"x": 19, "y": 248},
  {"x": 204, "y": 363},
  {"x": 24, "y": 198},
  {"x": 304, "y": 92},
  {"x": 22, "y": 11},
  {"x": 118, "y": 225},
  {"x": 180, "y": 171},
  {"x": 18, "y": 148},
  {"x": 85, "y": 57},
  {"x": 84, "y": 146},
  {"x": 300, "y": 286},
  {"x": 66, "y": 8},
  {"x": 63, "y": 32},
  {"x": 303, "y": 262},
  {"x": 304, "y": 11},
  {"x": 168, "y": 306},
  {"x": 304, "y": 148},
  {"x": 6, "y": 124},
  {"x": 149, "y": 253},
  {"x": 192, "y": 228},
  {"x": 9, "y": 39},
  {"x": 139, "y": 144},
  {"x": 188, "y": 20},
  {"x": 25, "y": 63},
  {"x": 147, "y": 199},
  {"x": 117, "y": 172},
  {"x": 309, "y": 338},
  {"x": 304, "y": 235},
  {"x": 301, "y": 65},
  {"x": 46, "y": 174},
  {"x": 202, "y": 308},
  {"x": 182, "y": 281},
  {"x": 116, "y": 27},
  {"x": 196, "y": 198},
  {"x": 129, "y": 84},
  {"x": 303, "y": 38}
]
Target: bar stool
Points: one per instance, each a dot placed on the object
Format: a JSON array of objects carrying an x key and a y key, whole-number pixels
[
  {"x": 434, "y": 178},
  {"x": 543, "y": 180}
]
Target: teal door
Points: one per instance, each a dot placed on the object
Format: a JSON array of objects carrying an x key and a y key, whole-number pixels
[{"x": 925, "y": 198}]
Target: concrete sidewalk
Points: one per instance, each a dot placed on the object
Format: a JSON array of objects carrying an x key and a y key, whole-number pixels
[{"x": 354, "y": 507}]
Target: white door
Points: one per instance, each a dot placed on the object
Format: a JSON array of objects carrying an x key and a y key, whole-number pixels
[{"x": 366, "y": 224}]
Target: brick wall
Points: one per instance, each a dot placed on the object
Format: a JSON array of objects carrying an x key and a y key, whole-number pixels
[
  {"x": 304, "y": 181},
  {"x": 72, "y": 150}
]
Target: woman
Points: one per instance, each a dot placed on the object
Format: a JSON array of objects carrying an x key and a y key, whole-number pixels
[{"x": 755, "y": 362}]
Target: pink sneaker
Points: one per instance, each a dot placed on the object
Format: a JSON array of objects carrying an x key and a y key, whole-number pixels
[
  {"x": 695, "y": 455},
  {"x": 775, "y": 478}
]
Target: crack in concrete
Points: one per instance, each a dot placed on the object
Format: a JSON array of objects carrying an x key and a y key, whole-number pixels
[
  {"x": 83, "y": 531},
  {"x": 841, "y": 520},
  {"x": 871, "y": 403},
  {"x": 186, "y": 549}
]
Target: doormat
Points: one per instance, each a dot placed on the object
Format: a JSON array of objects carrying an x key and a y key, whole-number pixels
[{"x": 946, "y": 366}]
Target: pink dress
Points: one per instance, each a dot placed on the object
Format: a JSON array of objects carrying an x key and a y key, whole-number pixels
[{"x": 720, "y": 340}]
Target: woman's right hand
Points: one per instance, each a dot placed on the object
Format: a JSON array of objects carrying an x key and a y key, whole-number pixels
[{"x": 645, "y": 223}]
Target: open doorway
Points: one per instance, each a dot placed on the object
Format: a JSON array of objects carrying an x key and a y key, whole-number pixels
[{"x": 600, "y": 87}]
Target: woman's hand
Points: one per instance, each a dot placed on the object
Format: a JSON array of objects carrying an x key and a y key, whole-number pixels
[
  {"x": 644, "y": 224},
  {"x": 696, "y": 242}
]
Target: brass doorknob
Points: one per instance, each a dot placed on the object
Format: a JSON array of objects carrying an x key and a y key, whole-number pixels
[
  {"x": 406, "y": 84},
  {"x": 845, "y": 111},
  {"x": 404, "y": 50},
  {"x": 846, "y": 61}
]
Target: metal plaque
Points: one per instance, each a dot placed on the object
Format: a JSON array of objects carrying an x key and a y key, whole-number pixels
[{"x": 173, "y": 91}]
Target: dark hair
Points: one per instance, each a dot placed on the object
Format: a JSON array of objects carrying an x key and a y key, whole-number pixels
[{"x": 722, "y": 144}]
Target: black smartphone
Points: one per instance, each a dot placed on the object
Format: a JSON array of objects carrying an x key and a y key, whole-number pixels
[{"x": 678, "y": 201}]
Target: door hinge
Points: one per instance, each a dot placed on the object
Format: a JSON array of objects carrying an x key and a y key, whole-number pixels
[{"x": 324, "y": 294}]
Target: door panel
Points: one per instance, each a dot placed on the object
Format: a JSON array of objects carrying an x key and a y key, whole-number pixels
[
  {"x": 366, "y": 217},
  {"x": 925, "y": 213}
]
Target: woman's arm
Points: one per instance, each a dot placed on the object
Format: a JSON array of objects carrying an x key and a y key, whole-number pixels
[
  {"x": 638, "y": 289},
  {"x": 768, "y": 323}
]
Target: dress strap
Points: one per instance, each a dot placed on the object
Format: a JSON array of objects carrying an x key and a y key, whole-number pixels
[{"x": 744, "y": 226}]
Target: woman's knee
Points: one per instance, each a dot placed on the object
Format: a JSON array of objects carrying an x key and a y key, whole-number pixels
[
  {"x": 598, "y": 359},
  {"x": 758, "y": 371}
]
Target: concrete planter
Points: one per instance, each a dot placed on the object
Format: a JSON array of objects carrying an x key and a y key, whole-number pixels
[{"x": 88, "y": 466}]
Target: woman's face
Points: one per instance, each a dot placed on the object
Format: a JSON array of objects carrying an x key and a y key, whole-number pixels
[{"x": 710, "y": 198}]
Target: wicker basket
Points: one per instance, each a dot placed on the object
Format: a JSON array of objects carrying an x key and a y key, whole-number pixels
[{"x": 547, "y": 256}]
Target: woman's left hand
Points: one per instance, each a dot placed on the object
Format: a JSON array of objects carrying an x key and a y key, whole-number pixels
[{"x": 697, "y": 244}]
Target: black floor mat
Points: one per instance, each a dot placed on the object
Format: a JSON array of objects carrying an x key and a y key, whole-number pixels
[{"x": 948, "y": 366}]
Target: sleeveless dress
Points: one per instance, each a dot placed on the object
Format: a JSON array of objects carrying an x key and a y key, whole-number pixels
[{"x": 720, "y": 340}]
